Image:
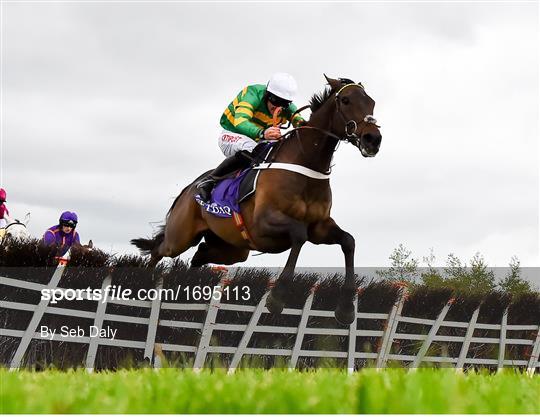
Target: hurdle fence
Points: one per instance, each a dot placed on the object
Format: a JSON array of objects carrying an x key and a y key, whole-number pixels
[{"x": 388, "y": 336}]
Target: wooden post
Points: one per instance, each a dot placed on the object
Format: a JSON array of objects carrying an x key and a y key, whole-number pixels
[
  {"x": 246, "y": 337},
  {"x": 502, "y": 341},
  {"x": 535, "y": 354},
  {"x": 38, "y": 315},
  {"x": 431, "y": 335},
  {"x": 301, "y": 330},
  {"x": 208, "y": 327},
  {"x": 391, "y": 326},
  {"x": 466, "y": 343},
  {"x": 153, "y": 322},
  {"x": 98, "y": 322},
  {"x": 351, "y": 351}
]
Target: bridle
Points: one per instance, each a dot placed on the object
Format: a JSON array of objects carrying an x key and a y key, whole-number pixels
[
  {"x": 350, "y": 133},
  {"x": 350, "y": 126},
  {"x": 350, "y": 129},
  {"x": 15, "y": 223},
  {"x": 7, "y": 233}
]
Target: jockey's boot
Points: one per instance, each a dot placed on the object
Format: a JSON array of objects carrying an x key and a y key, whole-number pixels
[{"x": 231, "y": 164}]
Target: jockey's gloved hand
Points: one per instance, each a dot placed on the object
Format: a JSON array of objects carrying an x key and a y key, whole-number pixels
[
  {"x": 272, "y": 133},
  {"x": 301, "y": 123}
]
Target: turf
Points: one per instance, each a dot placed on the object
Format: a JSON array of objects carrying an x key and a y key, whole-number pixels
[{"x": 275, "y": 391}]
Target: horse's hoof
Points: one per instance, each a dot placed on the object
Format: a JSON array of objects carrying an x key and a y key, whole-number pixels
[
  {"x": 345, "y": 314},
  {"x": 273, "y": 304}
]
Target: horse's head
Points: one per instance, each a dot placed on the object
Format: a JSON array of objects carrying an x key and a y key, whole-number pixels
[
  {"x": 16, "y": 228},
  {"x": 82, "y": 249},
  {"x": 353, "y": 119}
]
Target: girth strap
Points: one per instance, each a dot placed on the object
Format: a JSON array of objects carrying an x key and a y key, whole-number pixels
[
  {"x": 299, "y": 169},
  {"x": 239, "y": 223}
]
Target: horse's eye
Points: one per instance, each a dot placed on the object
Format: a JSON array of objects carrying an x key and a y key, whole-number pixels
[{"x": 345, "y": 100}]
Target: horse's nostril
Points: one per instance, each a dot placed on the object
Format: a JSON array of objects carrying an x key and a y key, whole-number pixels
[{"x": 373, "y": 139}]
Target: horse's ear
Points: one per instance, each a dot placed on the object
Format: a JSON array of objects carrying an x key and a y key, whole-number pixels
[
  {"x": 90, "y": 244},
  {"x": 334, "y": 84}
]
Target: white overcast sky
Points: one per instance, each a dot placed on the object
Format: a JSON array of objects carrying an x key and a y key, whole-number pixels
[{"x": 110, "y": 109}]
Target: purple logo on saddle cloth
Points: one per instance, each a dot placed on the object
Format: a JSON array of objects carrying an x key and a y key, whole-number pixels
[{"x": 224, "y": 198}]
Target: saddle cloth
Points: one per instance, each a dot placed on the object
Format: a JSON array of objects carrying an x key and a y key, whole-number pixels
[{"x": 230, "y": 192}]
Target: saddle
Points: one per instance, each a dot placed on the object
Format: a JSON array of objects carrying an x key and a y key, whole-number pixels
[{"x": 238, "y": 187}]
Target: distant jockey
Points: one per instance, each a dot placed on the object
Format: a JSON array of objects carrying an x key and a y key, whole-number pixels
[
  {"x": 249, "y": 119},
  {"x": 63, "y": 234},
  {"x": 3, "y": 208}
]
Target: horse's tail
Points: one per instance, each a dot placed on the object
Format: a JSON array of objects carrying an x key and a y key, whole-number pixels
[{"x": 146, "y": 246}]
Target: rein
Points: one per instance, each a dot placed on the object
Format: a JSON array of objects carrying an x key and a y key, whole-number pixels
[
  {"x": 299, "y": 169},
  {"x": 350, "y": 128},
  {"x": 350, "y": 135}
]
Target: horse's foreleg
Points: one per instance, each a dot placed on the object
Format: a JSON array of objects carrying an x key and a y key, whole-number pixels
[
  {"x": 329, "y": 233},
  {"x": 298, "y": 235},
  {"x": 297, "y": 232}
]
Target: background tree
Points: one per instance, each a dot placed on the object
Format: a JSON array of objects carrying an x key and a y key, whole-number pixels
[
  {"x": 431, "y": 276},
  {"x": 403, "y": 267},
  {"x": 513, "y": 283},
  {"x": 474, "y": 278},
  {"x": 478, "y": 278}
]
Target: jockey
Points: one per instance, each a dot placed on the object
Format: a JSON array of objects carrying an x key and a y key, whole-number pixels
[
  {"x": 63, "y": 234},
  {"x": 3, "y": 209},
  {"x": 247, "y": 120}
]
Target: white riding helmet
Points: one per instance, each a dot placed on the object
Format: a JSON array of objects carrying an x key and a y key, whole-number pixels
[{"x": 282, "y": 85}]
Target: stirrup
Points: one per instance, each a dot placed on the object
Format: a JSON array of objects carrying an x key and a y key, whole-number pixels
[{"x": 205, "y": 188}]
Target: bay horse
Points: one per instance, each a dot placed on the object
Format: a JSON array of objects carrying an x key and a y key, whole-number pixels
[{"x": 292, "y": 202}]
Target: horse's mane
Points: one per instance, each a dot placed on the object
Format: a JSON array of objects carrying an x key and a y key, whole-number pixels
[{"x": 318, "y": 99}]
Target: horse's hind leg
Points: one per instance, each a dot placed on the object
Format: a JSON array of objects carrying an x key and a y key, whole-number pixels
[
  {"x": 217, "y": 251},
  {"x": 176, "y": 245},
  {"x": 183, "y": 230}
]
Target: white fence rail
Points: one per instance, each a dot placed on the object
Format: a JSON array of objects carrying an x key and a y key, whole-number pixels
[{"x": 388, "y": 335}]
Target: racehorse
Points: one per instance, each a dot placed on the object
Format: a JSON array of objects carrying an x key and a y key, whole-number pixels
[
  {"x": 292, "y": 202},
  {"x": 16, "y": 229}
]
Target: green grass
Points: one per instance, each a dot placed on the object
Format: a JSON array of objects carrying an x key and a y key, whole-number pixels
[{"x": 276, "y": 391}]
